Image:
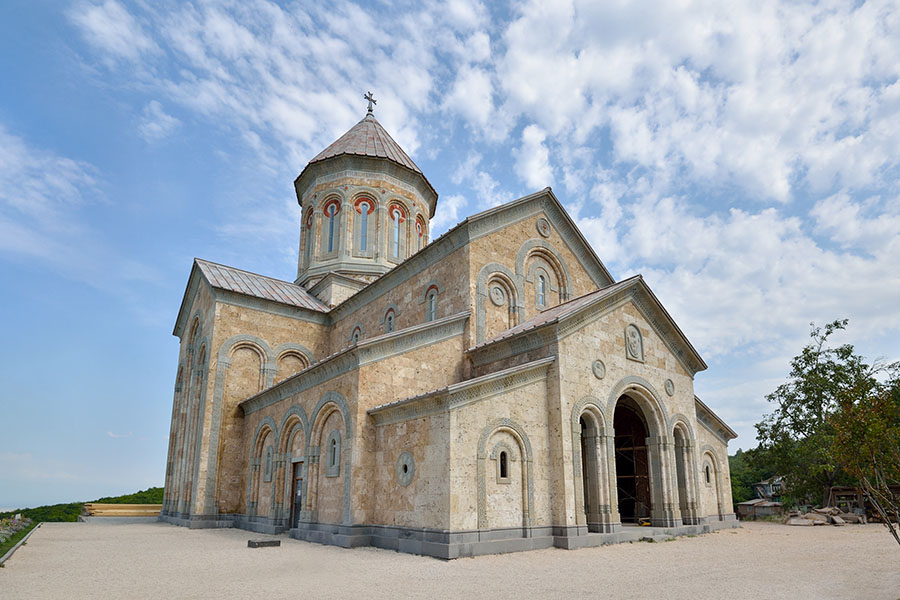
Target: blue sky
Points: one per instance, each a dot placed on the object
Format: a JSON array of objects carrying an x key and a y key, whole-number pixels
[{"x": 744, "y": 158}]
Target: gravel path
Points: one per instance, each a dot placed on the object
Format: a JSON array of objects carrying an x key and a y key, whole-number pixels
[{"x": 761, "y": 560}]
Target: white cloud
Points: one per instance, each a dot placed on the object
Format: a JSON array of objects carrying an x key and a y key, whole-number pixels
[
  {"x": 42, "y": 197},
  {"x": 155, "y": 124},
  {"x": 448, "y": 214},
  {"x": 111, "y": 28},
  {"x": 533, "y": 159}
]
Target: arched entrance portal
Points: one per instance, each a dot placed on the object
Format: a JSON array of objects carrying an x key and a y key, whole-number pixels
[{"x": 632, "y": 462}]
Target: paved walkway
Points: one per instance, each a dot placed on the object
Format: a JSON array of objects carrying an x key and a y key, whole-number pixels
[{"x": 761, "y": 560}]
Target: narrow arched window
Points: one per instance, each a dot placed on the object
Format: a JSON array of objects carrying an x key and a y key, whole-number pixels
[
  {"x": 309, "y": 231},
  {"x": 431, "y": 306},
  {"x": 420, "y": 234},
  {"x": 504, "y": 467},
  {"x": 389, "y": 322},
  {"x": 363, "y": 225},
  {"x": 707, "y": 474},
  {"x": 541, "y": 290},
  {"x": 331, "y": 212},
  {"x": 333, "y": 458},
  {"x": 355, "y": 337},
  {"x": 395, "y": 232}
]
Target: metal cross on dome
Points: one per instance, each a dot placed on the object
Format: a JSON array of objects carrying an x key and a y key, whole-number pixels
[{"x": 368, "y": 96}]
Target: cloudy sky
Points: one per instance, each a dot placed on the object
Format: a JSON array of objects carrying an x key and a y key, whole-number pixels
[{"x": 743, "y": 156}]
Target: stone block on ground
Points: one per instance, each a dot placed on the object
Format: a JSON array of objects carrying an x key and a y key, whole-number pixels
[
  {"x": 263, "y": 543},
  {"x": 799, "y": 521}
]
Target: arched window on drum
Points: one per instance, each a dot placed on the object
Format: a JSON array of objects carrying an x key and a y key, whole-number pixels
[
  {"x": 363, "y": 229},
  {"x": 397, "y": 228},
  {"x": 331, "y": 235},
  {"x": 308, "y": 241},
  {"x": 421, "y": 233}
]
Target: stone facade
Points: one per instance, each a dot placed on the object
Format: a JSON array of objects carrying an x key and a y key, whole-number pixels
[{"x": 493, "y": 390}]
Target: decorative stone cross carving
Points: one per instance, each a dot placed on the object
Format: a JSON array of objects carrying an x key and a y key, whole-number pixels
[{"x": 368, "y": 96}]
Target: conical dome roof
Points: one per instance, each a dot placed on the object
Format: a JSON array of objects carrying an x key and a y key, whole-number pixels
[{"x": 368, "y": 138}]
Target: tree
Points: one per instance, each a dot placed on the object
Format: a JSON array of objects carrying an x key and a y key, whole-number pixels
[
  {"x": 800, "y": 432},
  {"x": 748, "y": 467},
  {"x": 867, "y": 445}
]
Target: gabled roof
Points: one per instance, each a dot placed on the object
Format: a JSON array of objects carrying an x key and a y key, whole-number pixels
[
  {"x": 569, "y": 313},
  {"x": 560, "y": 311},
  {"x": 229, "y": 279},
  {"x": 712, "y": 421},
  {"x": 260, "y": 286}
]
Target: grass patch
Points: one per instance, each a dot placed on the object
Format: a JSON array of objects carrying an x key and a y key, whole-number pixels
[
  {"x": 68, "y": 513},
  {"x": 8, "y": 544}
]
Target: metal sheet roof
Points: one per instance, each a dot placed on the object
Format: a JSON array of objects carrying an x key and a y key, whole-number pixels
[
  {"x": 368, "y": 138},
  {"x": 559, "y": 311},
  {"x": 259, "y": 286}
]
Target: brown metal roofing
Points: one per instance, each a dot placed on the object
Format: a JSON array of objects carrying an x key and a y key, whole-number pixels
[
  {"x": 258, "y": 286},
  {"x": 368, "y": 138},
  {"x": 559, "y": 311}
]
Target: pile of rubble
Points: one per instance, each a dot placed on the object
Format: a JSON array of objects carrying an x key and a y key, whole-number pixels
[
  {"x": 830, "y": 515},
  {"x": 10, "y": 527}
]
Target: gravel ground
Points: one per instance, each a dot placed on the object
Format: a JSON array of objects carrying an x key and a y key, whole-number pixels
[{"x": 156, "y": 560}]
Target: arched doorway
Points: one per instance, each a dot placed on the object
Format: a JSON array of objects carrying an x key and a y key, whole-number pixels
[{"x": 632, "y": 461}]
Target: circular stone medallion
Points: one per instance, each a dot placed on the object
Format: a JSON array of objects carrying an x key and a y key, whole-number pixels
[
  {"x": 543, "y": 227},
  {"x": 670, "y": 387},
  {"x": 498, "y": 296},
  {"x": 599, "y": 369},
  {"x": 405, "y": 468}
]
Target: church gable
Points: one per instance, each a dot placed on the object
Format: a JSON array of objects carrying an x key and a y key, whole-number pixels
[
  {"x": 526, "y": 257},
  {"x": 571, "y": 319}
]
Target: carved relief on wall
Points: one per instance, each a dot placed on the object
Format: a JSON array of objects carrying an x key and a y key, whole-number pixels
[
  {"x": 599, "y": 369},
  {"x": 543, "y": 227},
  {"x": 670, "y": 387},
  {"x": 498, "y": 296},
  {"x": 634, "y": 343}
]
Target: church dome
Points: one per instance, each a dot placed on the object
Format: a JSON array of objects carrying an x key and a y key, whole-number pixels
[{"x": 365, "y": 209}]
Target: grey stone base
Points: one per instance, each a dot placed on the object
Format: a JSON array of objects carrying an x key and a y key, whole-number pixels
[
  {"x": 428, "y": 542},
  {"x": 453, "y": 544},
  {"x": 198, "y": 521}
]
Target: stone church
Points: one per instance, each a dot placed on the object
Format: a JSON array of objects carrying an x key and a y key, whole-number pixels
[{"x": 493, "y": 390}]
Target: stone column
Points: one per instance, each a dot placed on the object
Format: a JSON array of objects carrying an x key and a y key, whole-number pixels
[
  {"x": 607, "y": 508},
  {"x": 690, "y": 516},
  {"x": 590, "y": 477},
  {"x": 613, "y": 521},
  {"x": 664, "y": 512}
]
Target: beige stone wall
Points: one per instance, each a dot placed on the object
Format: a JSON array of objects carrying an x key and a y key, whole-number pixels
[
  {"x": 246, "y": 376},
  {"x": 409, "y": 299},
  {"x": 715, "y": 496},
  {"x": 324, "y": 494},
  {"x": 526, "y": 406},
  {"x": 187, "y": 431},
  {"x": 424, "y": 502},
  {"x": 502, "y": 247}
]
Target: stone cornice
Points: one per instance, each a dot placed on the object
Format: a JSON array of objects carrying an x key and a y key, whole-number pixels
[
  {"x": 187, "y": 300},
  {"x": 365, "y": 352},
  {"x": 463, "y": 393},
  {"x": 712, "y": 422}
]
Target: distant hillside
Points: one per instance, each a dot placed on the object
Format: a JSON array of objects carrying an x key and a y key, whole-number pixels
[{"x": 54, "y": 513}]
